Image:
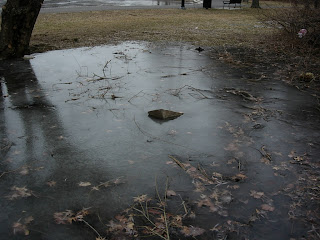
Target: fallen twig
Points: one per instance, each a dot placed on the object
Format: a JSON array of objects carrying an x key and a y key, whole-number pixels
[
  {"x": 178, "y": 162},
  {"x": 135, "y": 95}
]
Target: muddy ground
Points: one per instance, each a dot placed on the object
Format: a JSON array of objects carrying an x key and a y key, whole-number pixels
[{"x": 81, "y": 159}]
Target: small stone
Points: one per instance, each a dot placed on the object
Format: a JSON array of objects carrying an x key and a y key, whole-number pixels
[{"x": 163, "y": 114}]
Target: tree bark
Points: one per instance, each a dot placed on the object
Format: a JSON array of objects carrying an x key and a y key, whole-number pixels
[
  {"x": 18, "y": 19},
  {"x": 255, "y": 4}
]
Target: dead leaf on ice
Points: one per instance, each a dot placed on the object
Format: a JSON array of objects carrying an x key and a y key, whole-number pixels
[
  {"x": 28, "y": 220},
  {"x": 68, "y": 216},
  {"x": 192, "y": 231},
  {"x": 265, "y": 160},
  {"x": 207, "y": 203},
  {"x": 239, "y": 177},
  {"x": 256, "y": 194},
  {"x": 24, "y": 171},
  {"x": 141, "y": 198},
  {"x": 216, "y": 174},
  {"x": 63, "y": 217},
  {"x": 19, "y": 193},
  {"x": 84, "y": 184},
  {"x": 20, "y": 228},
  {"x": 101, "y": 238},
  {"x": 171, "y": 193},
  {"x": 267, "y": 207},
  {"x": 51, "y": 183}
]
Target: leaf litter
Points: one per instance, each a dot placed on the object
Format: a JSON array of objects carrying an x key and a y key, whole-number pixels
[
  {"x": 21, "y": 227},
  {"x": 19, "y": 192}
]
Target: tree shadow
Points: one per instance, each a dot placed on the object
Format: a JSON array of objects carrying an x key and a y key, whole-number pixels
[{"x": 36, "y": 154}]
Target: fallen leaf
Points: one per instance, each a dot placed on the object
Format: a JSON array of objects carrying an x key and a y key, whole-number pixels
[
  {"x": 63, "y": 217},
  {"x": 265, "y": 160},
  {"x": 292, "y": 154},
  {"x": 231, "y": 161},
  {"x": 51, "y": 183},
  {"x": 119, "y": 180},
  {"x": 218, "y": 175},
  {"x": 78, "y": 217},
  {"x": 256, "y": 194},
  {"x": 199, "y": 187},
  {"x": 19, "y": 193},
  {"x": 178, "y": 219},
  {"x": 244, "y": 201},
  {"x": 267, "y": 207},
  {"x": 141, "y": 198},
  {"x": 253, "y": 218},
  {"x": 223, "y": 213},
  {"x": 207, "y": 203},
  {"x": 28, "y": 220},
  {"x": 84, "y": 184},
  {"x": 130, "y": 226},
  {"x": 38, "y": 168},
  {"x": 101, "y": 238},
  {"x": 171, "y": 193},
  {"x": 239, "y": 177},
  {"x": 277, "y": 153},
  {"x": 20, "y": 228},
  {"x": 114, "y": 226},
  {"x": 24, "y": 171},
  {"x": 192, "y": 231},
  {"x": 215, "y": 195}
]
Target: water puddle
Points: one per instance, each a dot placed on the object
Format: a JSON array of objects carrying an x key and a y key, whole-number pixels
[{"x": 81, "y": 159}]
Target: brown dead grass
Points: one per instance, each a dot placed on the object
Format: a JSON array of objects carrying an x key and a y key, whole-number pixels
[{"x": 195, "y": 26}]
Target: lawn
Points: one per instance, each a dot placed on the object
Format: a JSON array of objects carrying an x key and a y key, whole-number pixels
[{"x": 195, "y": 26}]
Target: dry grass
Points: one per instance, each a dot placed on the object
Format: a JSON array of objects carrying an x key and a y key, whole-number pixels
[{"x": 195, "y": 26}]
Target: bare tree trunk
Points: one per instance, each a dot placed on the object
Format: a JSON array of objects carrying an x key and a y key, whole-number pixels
[
  {"x": 18, "y": 19},
  {"x": 316, "y": 4},
  {"x": 255, "y": 4}
]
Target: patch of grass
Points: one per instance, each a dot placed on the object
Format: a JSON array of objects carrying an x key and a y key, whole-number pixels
[{"x": 196, "y": 26}]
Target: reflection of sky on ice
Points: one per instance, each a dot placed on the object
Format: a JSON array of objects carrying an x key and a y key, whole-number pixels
[{"x": 59, "y": 122}]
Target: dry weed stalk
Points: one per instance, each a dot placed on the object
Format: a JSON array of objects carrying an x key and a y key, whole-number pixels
[{"x": 156, "y": 229}]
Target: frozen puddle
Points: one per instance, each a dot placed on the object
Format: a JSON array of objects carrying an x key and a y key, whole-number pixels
[{"x": 75, "y": 134}]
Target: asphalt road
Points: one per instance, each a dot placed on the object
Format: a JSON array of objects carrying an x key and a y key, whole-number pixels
[{"x": 101, "y": 7}]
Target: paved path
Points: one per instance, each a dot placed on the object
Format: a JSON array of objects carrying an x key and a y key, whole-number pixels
[{"x": 215, "y": 4}]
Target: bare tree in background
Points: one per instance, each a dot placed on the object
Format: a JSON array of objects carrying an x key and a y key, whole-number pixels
[{"x": 255, "y": 4}]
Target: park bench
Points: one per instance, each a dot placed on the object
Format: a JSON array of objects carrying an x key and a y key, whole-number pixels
[{"x": 235, "y": 2}]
